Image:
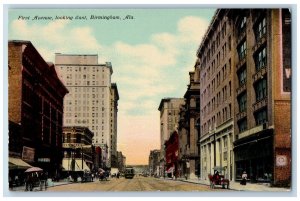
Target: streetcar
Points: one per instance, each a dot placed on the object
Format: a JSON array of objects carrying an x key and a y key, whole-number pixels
[{"x": 129, "y": 173}]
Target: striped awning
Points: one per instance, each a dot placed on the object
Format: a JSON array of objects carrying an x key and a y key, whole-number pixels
[
  {"x": 17, "y": 163},
  {"x": 67, "y": 165}
]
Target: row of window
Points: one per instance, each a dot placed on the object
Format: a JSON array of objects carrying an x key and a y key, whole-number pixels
[
  {"x": 217, "y": 119},
  {"x": 260, "y": 118},
  {"x": 80, "y": 68},
  {"x": 83, "y": 76},
  {"x": 215, "y": 42},
  {"x": 84, "y": 83}
]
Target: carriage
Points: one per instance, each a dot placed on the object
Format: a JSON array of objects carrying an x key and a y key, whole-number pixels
[{"x": 218, "y": 179}]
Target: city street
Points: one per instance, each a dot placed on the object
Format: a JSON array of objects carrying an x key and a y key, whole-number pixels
[{"x": 135, "y": 184}]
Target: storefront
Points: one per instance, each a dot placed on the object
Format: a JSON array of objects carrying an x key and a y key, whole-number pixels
[{"x": 254, "y": 154}]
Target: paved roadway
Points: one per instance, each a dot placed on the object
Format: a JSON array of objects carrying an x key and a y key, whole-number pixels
[{"x": 135, "y": 184}]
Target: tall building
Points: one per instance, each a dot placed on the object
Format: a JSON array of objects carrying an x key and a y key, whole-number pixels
[
  {"x": 113, "y": 123},
  {"x": 169, "y": 117},
  {"x": 89, "y": 102},
  {"x": 245, "y": 62},
  {"x": 35, "y": 109},
  {"x": 216, "y": 55},
  {"x": 189, "y": 128}
]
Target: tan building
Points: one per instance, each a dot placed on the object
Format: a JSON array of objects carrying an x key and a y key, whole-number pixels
[
  {"x": 154, "y": 162},
  {"x": 249, "y": 51},
  {"x": 216, "y": 96},
  {"x": 169, "y": 117},
  {"x": 89, "y": 102}
]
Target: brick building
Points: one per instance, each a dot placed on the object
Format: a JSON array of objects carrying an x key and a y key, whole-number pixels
[
  {"x": 35, "y": 108},
  {"x": 251, "y": 50}
]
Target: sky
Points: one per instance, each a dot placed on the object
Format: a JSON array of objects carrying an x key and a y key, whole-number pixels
[{"x": 151, "y": 51}]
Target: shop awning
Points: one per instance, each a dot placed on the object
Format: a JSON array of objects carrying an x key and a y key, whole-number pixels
[
  {"x": 17, "y": 163},
  {"x": 66, "y": 163},
  {"x": 170, "y": 170}
]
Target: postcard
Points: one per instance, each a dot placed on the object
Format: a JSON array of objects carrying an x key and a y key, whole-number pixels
[{"x": 161, "y": 99}]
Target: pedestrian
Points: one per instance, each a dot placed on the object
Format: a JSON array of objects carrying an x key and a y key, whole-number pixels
[{"x": 244, "y": 178}]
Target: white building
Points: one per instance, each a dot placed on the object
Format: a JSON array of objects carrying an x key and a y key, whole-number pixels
[{"x": 89, "y": 101}]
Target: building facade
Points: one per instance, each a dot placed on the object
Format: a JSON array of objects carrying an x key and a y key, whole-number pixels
[
  {"x": 172, "y": 152},
  {"x": 245, "y": 65},
  {"x": 78, "y": 148},
  {"x": 189, "y": 129},
  {"x": 216, "y": 80},
  {"x": 89, "y": 102},
  {"x": 114, "y": 95},
  {"x": 35, "y": 108},
  {"x": 169, "y": 117},
  {"x": 154, "y": 162},
  {"x": 121, "y": 161}
]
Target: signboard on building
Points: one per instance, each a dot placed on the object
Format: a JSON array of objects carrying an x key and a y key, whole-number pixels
[
  {"x": 281, "y": 160},
  {"x": 28, "y": 154},
  {"x": 71, "y": 145}
]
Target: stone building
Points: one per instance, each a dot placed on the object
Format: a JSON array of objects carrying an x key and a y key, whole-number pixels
[
  {"x": 216, "y": 88},
  {"x": 89, "y": 103},
  {"x": 169, "y": 117},
  {"x": 189, "y": 129},
  {"x": 121, "y": 161},
  {"x": 35, "y": 108},
  {"x": 154, "y": 162},
  {"x": 250, "y": 51}
]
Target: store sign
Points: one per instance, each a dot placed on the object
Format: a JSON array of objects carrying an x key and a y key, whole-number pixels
[
  {"x": 28, "y": 154},
  {"x": 44, "y": 160},
  {"x": 71, "y": 145},
  {"x": 281, "y": 160}
]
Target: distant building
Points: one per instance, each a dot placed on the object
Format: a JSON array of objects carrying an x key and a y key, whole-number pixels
[
  {"x": 154, "y": 162},
  {"x": 92, "y": 101},
  {"x": 113, "y": 123},
  {"x": 35, "y": 108},
  {"x": 169, "y": 117},
  {"x": 121, "y": 161},
  {"x": 77, "y": 146},
  {"x": 172, "y": 152},
  {"x": 245, "y": 73}
]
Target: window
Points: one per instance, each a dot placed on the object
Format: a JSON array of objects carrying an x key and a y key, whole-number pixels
[
  {"x": 261, "y": 117},
  {"x": 242, "y": 100},
  {"x": 242, "y": 125},
  {"x": 260, "y": 29},
  {"x": 242, "y": 50},
  {"x": 242, "y": 25},
  {"x": 242, "y": 75},
  {"x": 261, "y": 59},
  {"x": 261, "y": 89},
  {"x": 78, "y": 138}
]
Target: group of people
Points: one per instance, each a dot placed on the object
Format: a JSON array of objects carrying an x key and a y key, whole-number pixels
[{"x": 35, "y": 178}]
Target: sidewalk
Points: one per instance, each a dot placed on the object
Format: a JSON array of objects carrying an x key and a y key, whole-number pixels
[
  {"x": 52, "y": 184},
  {"x": 258, "y": 187}
]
